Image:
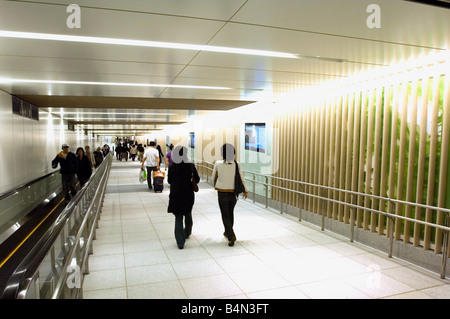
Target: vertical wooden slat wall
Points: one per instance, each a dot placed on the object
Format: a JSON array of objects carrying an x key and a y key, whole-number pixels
[{"x": 390, "y": 140}]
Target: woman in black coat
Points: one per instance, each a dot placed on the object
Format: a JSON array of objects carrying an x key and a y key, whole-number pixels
[
  {"x": 84, "y": 171},
  {"x": 181, "y": 196}
]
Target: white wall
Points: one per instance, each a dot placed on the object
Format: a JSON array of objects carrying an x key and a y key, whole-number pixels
[
  {"x": 212, "y": 130},
  {"x": 28, "y": 146}
]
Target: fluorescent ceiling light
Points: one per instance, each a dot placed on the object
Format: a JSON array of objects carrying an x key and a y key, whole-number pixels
[
  {"x": 11, "y": 81},
  {"x": 118, "y": 113},
  {"x": 134, "y": 120},
  {"x": 143, "y": 43}
]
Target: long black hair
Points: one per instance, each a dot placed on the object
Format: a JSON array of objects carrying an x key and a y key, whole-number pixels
[{"x": 80, "y": 148}]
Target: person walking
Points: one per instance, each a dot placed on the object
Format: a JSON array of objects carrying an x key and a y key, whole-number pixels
[
  {"x": 169, "y": 157},
  {"x": 133, "y": 152},
  {"x": 69, "y": 166},
  {"x": 124, "y": 152},
  {"x": 181, "y": 196},
  {"x": 98, "y": 155},
  {"x": 84, "y": 170},
  {"x": 90, "y": 155},
  {"x": 119, "y": 152},
  {"x": 151, "y": 162},
  {"x": 141, "y": 151},
  {"x": 160, "y": 153},
  {"x": 224, "y": 182}
]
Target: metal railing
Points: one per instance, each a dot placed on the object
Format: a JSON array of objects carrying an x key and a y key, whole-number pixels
[
  {"x": 56, "y": 266},
  {"x": 391, "y": 216}
]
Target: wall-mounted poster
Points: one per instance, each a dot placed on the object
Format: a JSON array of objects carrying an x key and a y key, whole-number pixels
[
  {"x": 255, "y": 137},
  {"x": 191, "y": 141}
]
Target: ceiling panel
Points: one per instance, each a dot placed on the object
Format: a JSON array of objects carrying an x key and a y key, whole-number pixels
[
  {"x": 355, "y": 51},
  {"x": 401, "y": 22},
  {"x": 96, "y": 52},
  {"x": 203, "y": 9},
  {"x": 128, "y": 24},
  {"x": 16, "y": 64},
  {"x": 327, "y": 29}
]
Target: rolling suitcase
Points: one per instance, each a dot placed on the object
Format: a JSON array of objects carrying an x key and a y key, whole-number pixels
[{"x": 158, "y": 181}]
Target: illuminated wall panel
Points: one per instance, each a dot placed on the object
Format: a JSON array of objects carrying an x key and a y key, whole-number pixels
[{"x": 388, "y": 138}]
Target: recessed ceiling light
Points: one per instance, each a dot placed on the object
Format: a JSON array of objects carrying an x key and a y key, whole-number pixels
[
  {"x": 120, "y": 113},
  {"x": 143, "y": 43}
]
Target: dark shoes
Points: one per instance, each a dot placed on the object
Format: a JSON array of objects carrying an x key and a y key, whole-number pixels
[
  {"x": 186, "y": 236},
  {"x": 230, "y": 242}
]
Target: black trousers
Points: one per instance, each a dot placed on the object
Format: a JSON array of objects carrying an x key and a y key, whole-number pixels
[
  {"x": 227, "y": 201},
  {"x": 183, "y": 231},
  {"x": 68, "y": 184}
]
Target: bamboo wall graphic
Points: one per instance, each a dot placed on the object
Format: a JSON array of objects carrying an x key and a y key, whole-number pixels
[{"x": 390, "y": 140}]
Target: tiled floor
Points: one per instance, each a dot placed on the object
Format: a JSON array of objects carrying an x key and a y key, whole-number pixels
[{"x": 275, "y": 256}]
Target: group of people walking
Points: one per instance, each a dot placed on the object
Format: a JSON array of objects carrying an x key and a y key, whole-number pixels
[
  {"x": 77, "y": 167},
  {"x": 181, "y": 176},
  {"x": 124, "y": 151}
]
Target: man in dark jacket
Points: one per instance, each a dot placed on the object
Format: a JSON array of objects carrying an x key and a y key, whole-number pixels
[{"x": 69, "y": 166}]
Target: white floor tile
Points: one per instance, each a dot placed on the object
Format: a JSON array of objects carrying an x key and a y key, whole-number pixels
[
  {"x": 142, "y": 246},
  {"x": 190, "y": 252},
  {"x": 105, "y": 262},
  {"x": 246, "y": 262},
  {"x": 145, "y": 258},
  {"x": 113, "y": 293},
  {"x": 197, "y": 268},
  {"x": 331, "y": 289},
  {"x": 279, "y": 293},
  {"x": 377, "y": 285},
  {"x": 258, "y": 279},
  {"x": 150, "y": 274},
  {"x": 159, "y": 290},
  {"x": 210, "y": 287},
  {"x": 412, "y": 278},
  {"x": 104, "y": 279},
  {"x": 439, "y": 292},
  {"x": 275, "y": 256}
]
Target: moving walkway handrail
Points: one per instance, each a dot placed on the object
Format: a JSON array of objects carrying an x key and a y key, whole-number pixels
[
  {"x": 27, "y": 272},
  {"x": 73, "y": 250},
  {"x": 445, "y": 228}
]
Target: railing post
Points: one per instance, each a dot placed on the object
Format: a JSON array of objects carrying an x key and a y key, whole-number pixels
[
  {"x": 267, "y": 191},
  {"x": 254, "y": 191},
  {"x": 352, "y": 218},
  {"x": 391, "y": 229},
  {"x": 445, "y": 248},
  {"x": 300, "y": 204},
  {"x": 323, "y": 210},
  {"x": 282, "y": 197}
]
